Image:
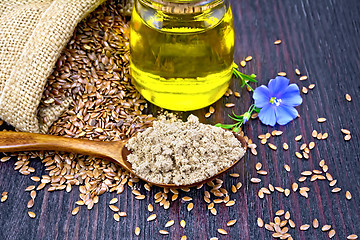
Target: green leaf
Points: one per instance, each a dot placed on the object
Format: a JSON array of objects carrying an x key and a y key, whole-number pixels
[
  {"x": 236, "y": 129},
  {"x": 257, "y": 110},
  {"x": 236, "y": 119},
  {"x": 226, "y": 126},
  {"x": 238, "y": 116}
]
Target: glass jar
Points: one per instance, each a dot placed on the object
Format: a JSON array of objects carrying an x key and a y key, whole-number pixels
[{"x": 181, "y": 51}]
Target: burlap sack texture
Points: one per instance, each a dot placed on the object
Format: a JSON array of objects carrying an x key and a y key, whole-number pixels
[{"x": 32, "y": 36}]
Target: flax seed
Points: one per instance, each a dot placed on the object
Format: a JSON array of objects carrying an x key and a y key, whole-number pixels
[
  {"x": 248, "y": 58},
  {"x": 348, "y": 97},
  {"x": 287, "y": 168},
  {"x": 295, "y": 187},
  {"x": 285, "y": 146},
  {"x": 243, "y": 63},
  {"x": 311, "y": 86},
  {"x": 298, "y": 155},
  {"x": 137, "y": 231},
  {"x": 231, "y": 223},
  {"x": 283, "y": 74},
  {"x": 304, "y": 227},
  {"x": 336, "y": 190},
  {"x": 326, "y": 228},
  {"x": 222, "y": 231},
  {"x": 302, "y": 78},
  {"x": 163, "y": 232},
  {"x": 348, "y": 195},
  {"x": 345, "y": 131},
  {"x": 352, "y": 236},
  {"x": 260, "y": 222},
  {"x": 255, "y": 180},
  {"x": 277, "y": 42},
  {"x": 151, "y": 217},
  {"x": 331, "y": 233}
]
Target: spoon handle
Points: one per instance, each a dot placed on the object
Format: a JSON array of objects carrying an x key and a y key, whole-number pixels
[{"x": 21, "y": 141}]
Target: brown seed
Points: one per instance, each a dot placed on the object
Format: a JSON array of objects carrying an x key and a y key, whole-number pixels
[
  {"x": 183, "y": 237},
  {"x": 347, "y": 137},
  {"x": 302, "y": 179},
  {"x": 186, "y": 199},
  {"x": 315, "y": 223},
  {"x": 322, "y": 163},
  {"x": 326, "y": 228},
  {"x": 287, "y": 192},
  {"x": 262, "y": 172},
  {"x": 302, "y": 78},
  {"x": 280, "y": 212},
  {"x": 336, "y": 190},
  {"x": 114, "y": 208},
  {"x": 116, "y": 217},
  {"x": 182, "y": 223},
  {"x": 137, "y": 231},
  {"x": 248, "y": 58},
  {"x": 345, "y": 131},
  {"x": 321, "y": 120},
  {"x": 306, "y": 173},
  {"x": 348, "y": 195},
  {"x": 269, "y": 227},
  {"x": 211, "y": 109},
  {"x": 298, "y": 155},
  {"x": 285, "y": 146},
  {"x": 329, "y": 177},
  {"x": 311, "y": 86},
  {"x": 272, "y": 146},
  {"x": 113, "y": 201},
  {"x": 230, "y": 203},
  {"x": 265, "y": 190},
  {"x": 276, "y": 235},
  {"x": 304, "y": 227},
  {"x": 331, "y": 233},
  {"x": 169, "y": 223},
  {"x": 279, "y": 189},
  {"x": 325, "y": 168},
  {"x": 287, "y": 167},
  {"x": 207, "y": 115},
  {"x": 4, "y": 198},
  {"x": 319, "y": 136},
  {"x": 229, "y": 105},
  {"x": 151, "y": 217},
  {"x": 222, "y": 231},
  {"x": 304, "y": 193},
  {"x": 231, "y": 222},
  {"x": 277, "y": 221},
  {"x": 295, "y": 186},
  {"x": 332, "y": 183},
  {"x": 163, "y": 232},
  {"x": 35, "y": 179},
  {"x": 258, "y": 166},
  {"x": 277, "y": 42},
  {"x": 260, "y": 222},
  {"x": 261, "y": 194},
  {"x": 237, "y": 94},
  {"x": 291, "y": 223},
  {"x": 311, "y": 145},
  {"x": 314, "y": 134},
  {"x": 271, "y": 187},
  {"x": 213, "y": 211},
  {"x": 352, "y": 236},
  {"x": 255, "y": 180},
  {"x": 348, "y": 97},
  {"x": 287, "y": 215},
  {"x": 298, "y": 138},
  {"x": 297, "y": 71},
  {"x": 263, "y": 141},
  {"x": 233, "y": 189},
  {"x": 283, "y": 74},
  {"x": 190, "y": 206},
  {"x": 32, "y": 214}
]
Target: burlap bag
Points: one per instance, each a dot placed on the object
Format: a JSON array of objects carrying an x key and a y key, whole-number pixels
[{"x": 32, "y": 36}]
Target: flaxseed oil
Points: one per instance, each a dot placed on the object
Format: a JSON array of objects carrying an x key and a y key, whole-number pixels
[{"x": 181, "y": 61}]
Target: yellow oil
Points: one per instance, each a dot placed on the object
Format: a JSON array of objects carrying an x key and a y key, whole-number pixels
[{"x": 182, "y": 64}]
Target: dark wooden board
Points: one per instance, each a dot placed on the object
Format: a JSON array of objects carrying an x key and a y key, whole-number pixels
[{"x": 321, "y": 38}]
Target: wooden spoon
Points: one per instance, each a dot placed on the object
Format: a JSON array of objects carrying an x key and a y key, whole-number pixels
[{"x": 114, "y": 151}]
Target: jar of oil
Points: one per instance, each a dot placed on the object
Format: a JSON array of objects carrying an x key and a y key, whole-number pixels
[{"x": 181, "y": 51}]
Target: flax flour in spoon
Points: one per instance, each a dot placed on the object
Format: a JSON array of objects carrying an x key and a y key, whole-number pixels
[{"x": 176, "y": 152}]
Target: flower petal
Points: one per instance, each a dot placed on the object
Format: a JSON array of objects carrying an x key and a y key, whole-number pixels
[
  {"x": 267, "y": 115},
  {"x": 261, "y": 96},
  {"x": 285, "y": 114},
  {"x": 291, "y": 96},
  {"x": 277, "y": 86}
]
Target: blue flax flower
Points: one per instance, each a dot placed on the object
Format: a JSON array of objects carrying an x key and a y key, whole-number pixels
[{"x": 277, "y": 101}]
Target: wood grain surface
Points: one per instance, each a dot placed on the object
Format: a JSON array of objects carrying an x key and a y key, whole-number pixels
[{"x": 321, "y": 38}]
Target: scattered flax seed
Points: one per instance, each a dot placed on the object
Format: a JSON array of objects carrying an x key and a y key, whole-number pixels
[
  {"x": 291, "y": 223},
  {"x": 345, "y": 131},
  {"x": 347, "y": 137},
  {"x": 315, "y": 223},
  {"x": 306, "y": 173},
  {"x": 329, "y": 177},
  {"x": 183, "y": 238},
  {"x": 297, "y": 71},
  {"x": 237, "y": 94},
  {"x": 298, "y": 155},
  {"x": 211, "y": 109},
  {"x": 302, "y": 78},
  {"x": 32, "y": 214},
  {"x": 336, "y": 190},
  {"x": 348, "y": 195},
  {"x": 321, "y": 120},
  {"x": 4, "y": 198},
  {"x": 271, "y": 187},
  {"x": 285, "y": 146},
  {"x": 29, "y": 188},
  {"x": 295, "y": 186},
  {"x": 311, "y": 145},
  {"x": 262, "y": 172},
  {"x": 230, "y": 203},
  {"x": 35, "y": 179},
  {"x": 255, "y": 180},
  {"x": 190, "y": 206},
  {"x": 263, "y": 141},
  {"x": 151, "y": 217},
  {"x": 233, "y": 189},
  {"x": 304, "y": 193},
  {"x": 169, "y": 223},
  {"x": 238, "y": 185},
  {"x": 222, "y": 231},
  {"x": 272, "y": 146},
  {"x": 248, "y": 58},
  {"x": 314, "y": 133},
  {"x": 231, "y": 223},
  {"x": 182, "y": 223},
  {"x": 325, "y": 168},
  {"x": 114, "y": 208},
  {"x": 331, "y": 233},
  {"x": 332, "y": 183},
  {"x": 352, "y": 236},
  {"x": 302, "y": 179},
  {"x": 287, "y": 192},
  {"x": 234, "y": 175},
  {"x": 116, "y": 217},
  {"x": 277, "y": 42},
  {"x": 243, "y": 63},
  {"x": 304, "y": 90},
  {"x": 283, "y": 74},
  {"x": 214, "y": 238},
  {"x": 311, "y": 86},
  {"x": 280, "y": 212},
  {"x": 113, "y": 201},
  {"x": 186, "y": 199},
  {"x": 5, "y": 159},
  {"x": 287, "y": 215},
  {"x": 277, "y": 221},
  {"x": 279, "y": 189},
  {"x": 260, "y": 222},
  {"x": 348, "y": 97},
  {"x": 261, "y": 194},
  {"x": 213, "y": 211},
  {"x": 287, "y": 168},
  {"x": 137, "y": 231},
  {"x": 298, "y": 138},
  {"x": 163, "y": 232},
  {"x": 207, "y": 115},
  {"x": 326, "y": 228},
  {"x": 30, "y": 204},
  {"x": 303, "y": 146},
  {"x": 304, "y": 227},
  {"x": 229, "y": 105}
]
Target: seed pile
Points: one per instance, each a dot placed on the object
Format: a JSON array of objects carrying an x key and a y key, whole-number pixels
[{"x": 182, "y": 152}]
